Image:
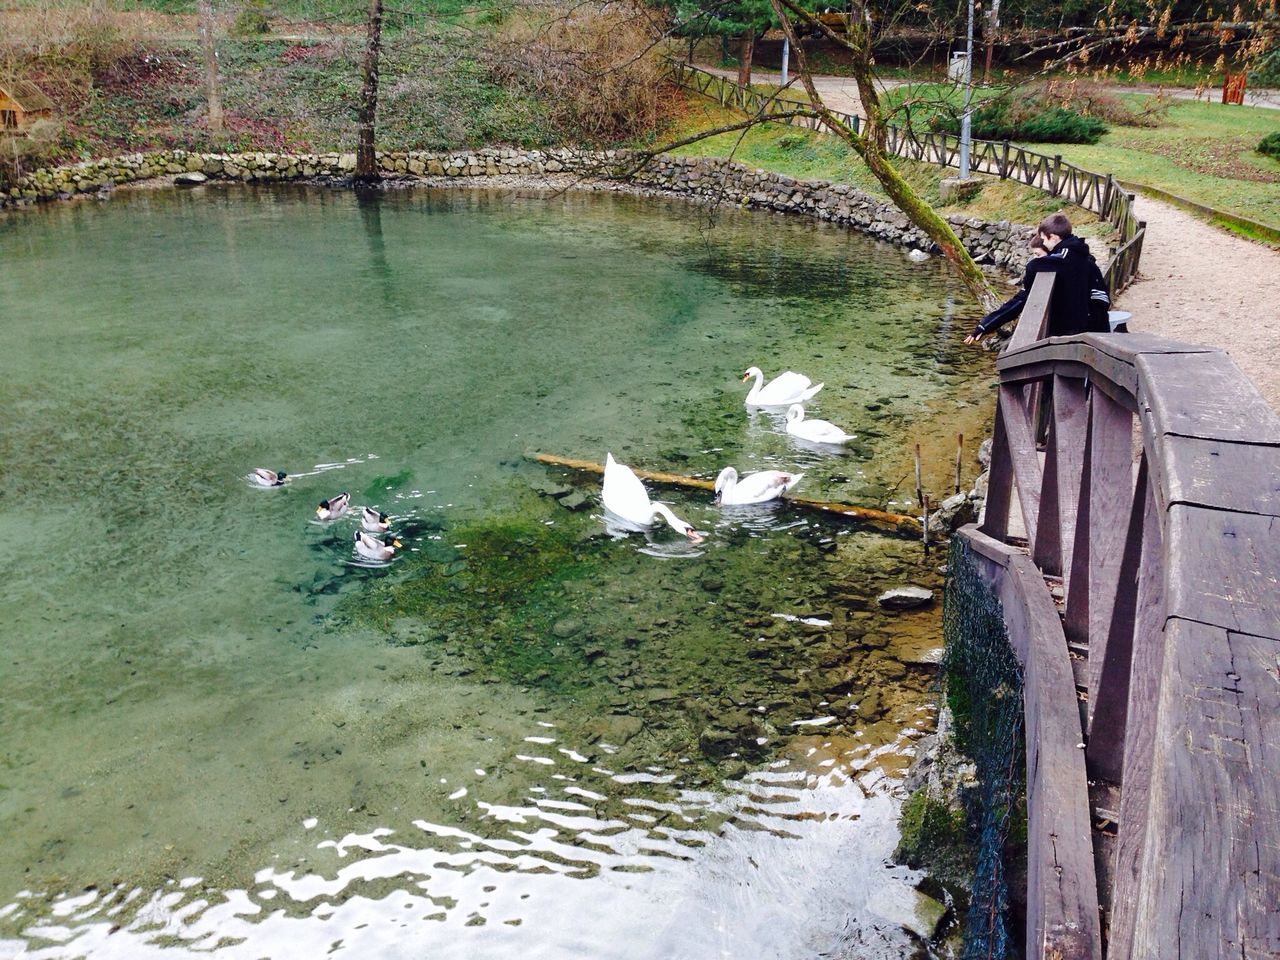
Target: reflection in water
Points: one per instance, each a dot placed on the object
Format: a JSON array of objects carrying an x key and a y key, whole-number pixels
[{"x": 649, "y": 867}]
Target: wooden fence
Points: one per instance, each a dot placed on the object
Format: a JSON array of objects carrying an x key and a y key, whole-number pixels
[
  {"x": 1162, "y": 660},
  {"x": 1101, "y": 194}
]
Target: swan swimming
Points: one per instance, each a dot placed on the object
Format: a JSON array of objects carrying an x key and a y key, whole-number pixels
[
  {"x": 754, "y": 487},
  {"x": 268, "y": 478},
  {"x": 626, "y": 498},
  {"x": 816, "y": 431},
  {"x": 373, "y": 521},
  {"x": 786, "y": 388},
  {"x": 371, "y": 548},
  {"x": 334, "y": 507}
]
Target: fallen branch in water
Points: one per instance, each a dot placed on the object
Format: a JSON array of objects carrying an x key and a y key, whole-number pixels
[{"x": 895, "y": 521}]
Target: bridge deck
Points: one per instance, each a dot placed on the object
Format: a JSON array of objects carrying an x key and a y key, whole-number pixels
[{"x": 1169, "y": 620}]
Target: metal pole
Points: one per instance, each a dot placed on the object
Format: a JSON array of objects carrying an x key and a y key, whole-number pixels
[
  {"x": 965, "y": 135},
  {"x": 786, "y": 56}
]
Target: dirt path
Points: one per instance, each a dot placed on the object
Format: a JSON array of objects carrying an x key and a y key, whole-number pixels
[{"x": 1203, "y": 285}]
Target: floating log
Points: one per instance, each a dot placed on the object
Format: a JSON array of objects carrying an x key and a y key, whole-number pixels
[{"x": 882, "y": 518}]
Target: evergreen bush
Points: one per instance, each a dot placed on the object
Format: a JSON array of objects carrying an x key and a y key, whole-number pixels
[{"x": 1270, "y": 145}]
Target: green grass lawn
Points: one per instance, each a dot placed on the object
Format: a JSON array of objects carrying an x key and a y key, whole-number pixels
[
  {"x": 1201, "y": 151},
  {"x": 812, "y": 156}
]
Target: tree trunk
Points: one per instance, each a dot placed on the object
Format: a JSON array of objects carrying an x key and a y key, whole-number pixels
[
  {"x": 870, "y": 145},
  {"x": 366, "y": 157},
  {"x": 746, "y": 47},
  {"x": 213, "y": 95}
]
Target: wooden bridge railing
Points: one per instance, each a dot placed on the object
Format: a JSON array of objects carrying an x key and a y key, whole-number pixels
[
  {"x": 1162, "y": 660},
  {"x": 1100, "y": 193}
]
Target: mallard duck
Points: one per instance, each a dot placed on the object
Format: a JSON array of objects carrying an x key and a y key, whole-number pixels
[
  {"x": 758, "y": 487},
  {"x": 787, "y": 387},
  {"x": 626, "y": 498},
  {"x": 374, "y": 521},
  {"x": 268, "y": 478},
  {"x": 815, "y": 431},
  {"x": 334, "y": 507},
  {"x": 371, "y": 548}
]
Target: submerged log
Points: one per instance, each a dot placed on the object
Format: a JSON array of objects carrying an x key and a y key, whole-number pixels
[{"x": 881, "y": 518}]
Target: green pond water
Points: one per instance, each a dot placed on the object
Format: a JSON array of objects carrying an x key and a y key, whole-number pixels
[{"x": 221, "y": 731}]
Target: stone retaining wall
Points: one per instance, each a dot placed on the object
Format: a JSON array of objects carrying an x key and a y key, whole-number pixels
[{"x": 1001, "y": 244}]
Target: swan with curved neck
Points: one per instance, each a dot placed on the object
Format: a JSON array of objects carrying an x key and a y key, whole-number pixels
[
  {"x": 786, "y": 388},
  {"x": 815, "y": 431},
  {"x": 626, "y": 498},
  {"x": 758, "y": 487}
]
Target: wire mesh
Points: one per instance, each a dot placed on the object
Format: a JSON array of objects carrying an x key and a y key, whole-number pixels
[{"x": 984, "y": 691}]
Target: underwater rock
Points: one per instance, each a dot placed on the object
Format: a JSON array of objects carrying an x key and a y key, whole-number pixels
[
  {"x": 712, "y": 584},
  {"x": 566, "y": 628},
  {"x": 438, "y": 552},
  {"x": 575, "y": 501},
  {"x": 905, "y": 598},
  {"x": 870, "y": 709},
  {"x": 614, "y": 729}
]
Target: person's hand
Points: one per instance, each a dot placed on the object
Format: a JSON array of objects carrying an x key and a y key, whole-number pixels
[{"x": 973, "y": 338}]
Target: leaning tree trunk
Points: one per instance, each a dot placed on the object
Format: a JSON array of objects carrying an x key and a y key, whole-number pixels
[
  {"x": 366, "y": 157},
  {"x": 746, "y": 48},
  {"x": 871, "y": 146},
  {"x": 211, "y": 91}
]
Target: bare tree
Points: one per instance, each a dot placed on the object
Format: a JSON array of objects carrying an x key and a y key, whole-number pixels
[
  {"x": 213, "y": 94},
  {"x": 366, "y": 156}
]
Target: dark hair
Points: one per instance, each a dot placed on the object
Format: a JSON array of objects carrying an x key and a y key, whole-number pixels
[
  {"x": 1037, "y": 243},
  {"x": 1056, "y": 224}
]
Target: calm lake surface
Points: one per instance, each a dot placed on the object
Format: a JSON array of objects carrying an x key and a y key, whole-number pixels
[{"x": 221, "y": 732}]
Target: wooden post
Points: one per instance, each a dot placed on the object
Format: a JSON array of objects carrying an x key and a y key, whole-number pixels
[
  {"x": 925, "y": 526},
  {"x": 959, "y": 457},
  {"x": 919, "y": 488}
]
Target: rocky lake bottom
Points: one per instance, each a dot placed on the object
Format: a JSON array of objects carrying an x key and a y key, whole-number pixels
[{"x": 225, "y": 733}]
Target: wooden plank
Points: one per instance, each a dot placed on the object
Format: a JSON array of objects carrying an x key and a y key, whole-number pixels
[
  {"x": 1109, "y": 690},
  {"x": 1109, "y": 490},
  {"x": 995, "y": 510},
  {"x": 1046, "y": 547},
  {"x": 995, "y": 550},
  {"x": 1206, "y": 396},
  {"x": 1210, "y": 880},
  {"x": 1243, "y": 477},
  {"x": 1062, "y": 894},
  {"x": 1140, "y": 736},
  {"x": 1013, "y": 413},
  {"x": 1228, "y": 573},
  {"x": 1034, "y": 318},
  {"x": 1070, "y": 423}
]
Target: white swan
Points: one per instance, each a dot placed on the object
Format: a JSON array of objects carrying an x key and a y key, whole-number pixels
[
  {"x": 268, "y": 478},
  {"x": 786, "y": 388},
  {"x": 374, "y": 521},
  {"x": 626, "y": 498},
  {"x": 334, "y": 507},
  {"x": 754, "y": 487},
  {"x": 815, "y": 431},
  {"x": 371, "y": 548}
]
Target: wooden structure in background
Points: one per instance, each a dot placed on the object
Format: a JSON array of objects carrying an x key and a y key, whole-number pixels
[
  {"x": 21, "y": 105},
  {"x": 1162, "y": 660}
]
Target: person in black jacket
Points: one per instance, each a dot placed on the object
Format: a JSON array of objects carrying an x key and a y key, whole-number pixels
[{"x": 1079, "y": 302}]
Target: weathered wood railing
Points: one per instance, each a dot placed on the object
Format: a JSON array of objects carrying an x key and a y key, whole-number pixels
[
  {"x": 1167, "y": 543},
  {"x": 1100, "y": 193}
]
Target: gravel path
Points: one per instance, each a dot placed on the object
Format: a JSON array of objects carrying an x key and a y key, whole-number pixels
[{"x": 1200, "y": 284}]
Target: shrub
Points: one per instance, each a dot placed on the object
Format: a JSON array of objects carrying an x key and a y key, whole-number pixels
[
  {"x": 1270, "y": 145},
  {"x": 252, "y": 20},
  {"x": 1028, "y": 116},
  {"x": 595, "y": 66}
]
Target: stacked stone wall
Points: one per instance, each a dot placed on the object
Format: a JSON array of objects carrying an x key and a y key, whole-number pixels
[{"x": 710, "y": 179}]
